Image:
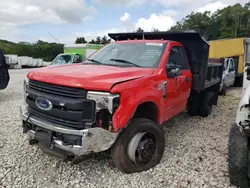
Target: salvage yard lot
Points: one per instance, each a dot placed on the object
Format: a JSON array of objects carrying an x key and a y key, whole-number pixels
[{"x": 195, "y": 153}]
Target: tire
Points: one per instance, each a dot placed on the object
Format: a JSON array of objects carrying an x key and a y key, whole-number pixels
[
  {"x": 119, "y": 150},
  {"x": 206, "y": 104},
  {"x": 193, "y": 110},
  {"x": 238, "y": 81},
  {"x": 238, "y": 157},
  {"x": 224, "y": 90},
  {"x": 193, "y": 105}
]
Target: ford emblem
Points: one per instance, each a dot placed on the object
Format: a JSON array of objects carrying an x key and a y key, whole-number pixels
[{"x": 43, "y": 104}]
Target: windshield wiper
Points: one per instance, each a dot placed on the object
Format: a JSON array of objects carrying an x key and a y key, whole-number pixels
[
  {"x": 126, "y": 62},
  {"x": 95, "y": 61}
]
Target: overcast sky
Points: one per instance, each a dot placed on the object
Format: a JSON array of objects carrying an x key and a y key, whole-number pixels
[{"x": 30, "y": 20}]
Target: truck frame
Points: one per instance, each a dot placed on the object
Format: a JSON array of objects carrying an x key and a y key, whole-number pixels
[{"x": 118, "y": 98}]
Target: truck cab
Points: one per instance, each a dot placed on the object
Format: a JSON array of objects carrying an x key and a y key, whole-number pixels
[
  {"x": 229, "y": 75},
  {"x": 120, "y": 96},
  {"x": 4, "y": 74},
  {"x": 67, "y": 58}
]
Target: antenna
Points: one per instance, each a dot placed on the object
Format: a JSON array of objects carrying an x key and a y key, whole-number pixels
[
  {"x": 53, "y": 37},
  {"x": 57, "y": 40},
  {"x": 143, "y": 36}
]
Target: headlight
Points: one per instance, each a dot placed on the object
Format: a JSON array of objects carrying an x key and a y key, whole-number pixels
[
  {"x": 25, "y": 86},
  {"x": 104, "y": 100}
]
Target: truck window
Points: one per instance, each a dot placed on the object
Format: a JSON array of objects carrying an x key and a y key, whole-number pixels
[
  {"x": 177, "y": 57},
  {"x": 77, "y": 59},
  {"x": 231, "y": 65},
  {"x": 226, "y": 64},
  {"x": 125, "y": 54}
]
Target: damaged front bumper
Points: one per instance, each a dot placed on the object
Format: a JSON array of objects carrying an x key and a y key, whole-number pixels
[{"x": 92, "y": 140}]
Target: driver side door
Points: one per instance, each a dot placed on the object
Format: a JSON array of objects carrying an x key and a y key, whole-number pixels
[{"x": 172, "y": 84}]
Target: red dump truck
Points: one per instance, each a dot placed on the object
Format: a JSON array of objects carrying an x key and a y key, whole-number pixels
[{"x": 120, "y": 96}]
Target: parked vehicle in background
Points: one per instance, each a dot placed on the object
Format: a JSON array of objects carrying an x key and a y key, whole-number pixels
[
  {"x": 4, "y": 74},
  {"x": 231, "y": 48},
  {"x": 40, "y": 62},
  {"x": 24, "y": 60},
  {"x": 239, "y": 136},
  {"x": 30, "y": 63},
  {"x": 118, "y": 98},
  {"x": 35, "y": 62},
  {"x": 84, "y": 50},
  {"x": 229, "y": 75},
  {"x": 229, "y": 72},
  {"x": 11, "y": 60},
  {"x": 67, "y": 58},
  {"x": 75, "y": 53}
]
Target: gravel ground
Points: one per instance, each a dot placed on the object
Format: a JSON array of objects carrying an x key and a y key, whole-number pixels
[{"x": 195, "y": 153}]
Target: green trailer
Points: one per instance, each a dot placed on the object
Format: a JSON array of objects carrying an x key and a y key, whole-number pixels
[{"x": 75, "y": 53}]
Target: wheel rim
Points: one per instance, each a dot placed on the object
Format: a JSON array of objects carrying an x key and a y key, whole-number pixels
[{"x": 141, "y": 148}]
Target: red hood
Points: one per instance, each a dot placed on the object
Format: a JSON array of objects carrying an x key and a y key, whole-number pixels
[{"x": 90, "y": 77}]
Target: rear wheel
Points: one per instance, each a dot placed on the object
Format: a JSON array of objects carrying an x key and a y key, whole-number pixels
[
  {"x": 206, "y": 104},
  {"x": 238, "y": 81},
  {"x": 139, "y": 147},
  {"x": 238, "y": 157},
  {"x": 224, "y": 90}
]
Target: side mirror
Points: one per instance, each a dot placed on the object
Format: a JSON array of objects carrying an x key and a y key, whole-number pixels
[{"x": 173, "y": 72}]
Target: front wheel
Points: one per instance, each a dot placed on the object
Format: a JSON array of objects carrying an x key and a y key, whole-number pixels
[
  {"x": 238, "y": 157},
  {"x": 139, "y": 147}
]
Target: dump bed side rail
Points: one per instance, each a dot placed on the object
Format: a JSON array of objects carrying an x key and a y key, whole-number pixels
[{"x": 214, "y": 72}]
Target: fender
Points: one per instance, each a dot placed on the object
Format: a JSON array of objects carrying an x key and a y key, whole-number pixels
[{"x": 132, "y": 94}]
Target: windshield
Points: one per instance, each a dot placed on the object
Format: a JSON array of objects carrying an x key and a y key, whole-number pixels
[
  {"x": 129, "y": 54},
  {"x": 63, "y": 59}
]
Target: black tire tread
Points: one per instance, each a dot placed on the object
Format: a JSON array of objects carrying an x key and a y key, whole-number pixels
[
  {"x": 238, "y": 157},
  {"x": 206, "y": 99},
  {"x": 224, "y": 90},
  {"x": 119, "y": 149}
]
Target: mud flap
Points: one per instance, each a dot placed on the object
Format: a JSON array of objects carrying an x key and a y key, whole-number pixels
[{"x": 4, "y": 74}]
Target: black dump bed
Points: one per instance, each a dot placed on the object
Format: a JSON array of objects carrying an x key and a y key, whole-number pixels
[{"x": 204, "y": 74}]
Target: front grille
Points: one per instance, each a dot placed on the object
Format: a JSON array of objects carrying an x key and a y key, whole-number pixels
[
  {"x": 70, "y": 106},
  {"x": 56, "y": 89},
  {"x": 59, "y": 121}
]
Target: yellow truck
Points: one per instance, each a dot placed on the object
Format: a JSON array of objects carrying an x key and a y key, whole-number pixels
[{"x": 232, "y": 48}]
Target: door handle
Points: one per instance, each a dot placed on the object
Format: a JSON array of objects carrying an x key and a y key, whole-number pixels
[{"x": 187, "y": 79}]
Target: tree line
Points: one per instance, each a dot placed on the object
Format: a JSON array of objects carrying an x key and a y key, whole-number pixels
[
  {"x": 229, "y": 22},
  {"x": 40, "y": 49},
  {"x": 99, "y": 40}
]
